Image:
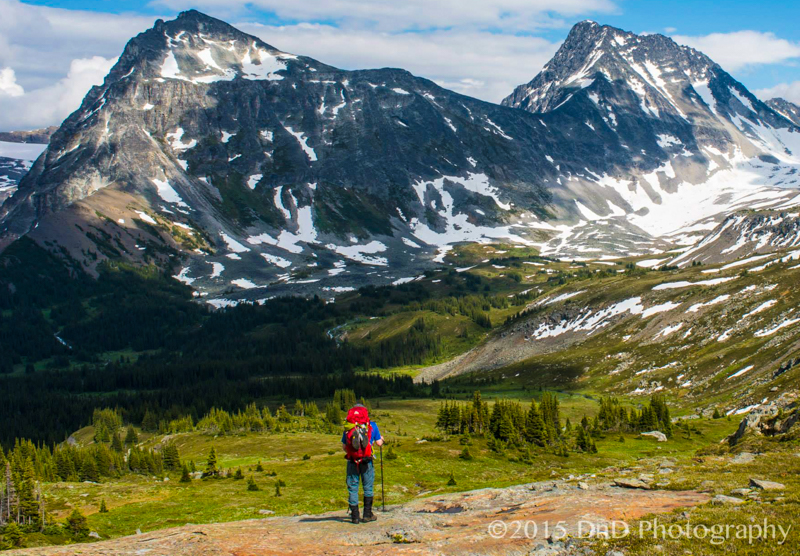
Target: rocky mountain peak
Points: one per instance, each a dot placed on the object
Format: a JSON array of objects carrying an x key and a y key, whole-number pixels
[{"x": 594, "y": 52}]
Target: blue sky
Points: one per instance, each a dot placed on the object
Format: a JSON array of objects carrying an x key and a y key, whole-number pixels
[{"x": 52, "y": 51}]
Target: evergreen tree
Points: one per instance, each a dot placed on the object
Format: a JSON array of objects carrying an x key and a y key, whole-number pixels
[
  {"x": 77, "y": 525},
  {"x": 116, "y": 443},
  {"x": 13, "y": 535},
  {"x": 185, "y": 476},
  {"x": 171, "y": 457},
  {"x": 149, "y": 422},
  {"x": 28, "y": 508},
  {"x": 333, "y": 414},
  {"x": 277, "y": 488},
  {"x": 452, "y": 480},
  {"x": 259, "y": 467},
  {"x": 311, "y": 410},
  {"x": 299, "y": 409},
  {"x": 535, "y": 431},
  {"x": 211, "y": 464},
  {"x": 283, "y": 415},
  {"x": 131, "y": 438},
  {"x": 101, "y": 433},
  {"x": 103, "y": 507},
  {"x": 506, "y": 429},
  {"x": 239, "y": 475},
  {"x": 89, "y": 470},
  {"x": 253, "y": 487}
]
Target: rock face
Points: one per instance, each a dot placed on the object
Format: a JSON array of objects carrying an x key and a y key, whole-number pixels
[
  {"x": 786, "y": 109},
  {"x": 478, "y": 522},
  {"x": 262, "y": 168},
  {"x": 745, "y": 234},
  {"x": 283, "y": 162},
  {"x": 774, "y": 418}
]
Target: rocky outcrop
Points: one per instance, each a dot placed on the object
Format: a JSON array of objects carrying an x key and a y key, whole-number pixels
[
  {"x": 772, "y": 419},
  {"x": 477, "y": 522}
]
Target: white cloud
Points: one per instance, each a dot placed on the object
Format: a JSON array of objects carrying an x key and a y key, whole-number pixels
[
  {"x": 51, "y": 104},
  {"x": 54, "y": 56},
  {"x": 788, "y": 91},
  {"x": 734, "y": 51},
  {"x": 8, "y": 84},
  {"x": 394, "y": 15},
  {"x": 480, "y": 64}
]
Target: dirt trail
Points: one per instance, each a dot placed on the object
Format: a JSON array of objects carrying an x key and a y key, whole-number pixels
[{"x": 454, "y": 524}]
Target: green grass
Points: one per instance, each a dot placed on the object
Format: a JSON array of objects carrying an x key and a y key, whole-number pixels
[{"x": 317, "y": 485}]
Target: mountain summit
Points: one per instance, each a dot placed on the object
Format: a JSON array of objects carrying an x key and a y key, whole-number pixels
[{"x": 267, "y": 172}]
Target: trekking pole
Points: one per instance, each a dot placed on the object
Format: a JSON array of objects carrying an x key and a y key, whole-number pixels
[{"x": 383, "y": 495}]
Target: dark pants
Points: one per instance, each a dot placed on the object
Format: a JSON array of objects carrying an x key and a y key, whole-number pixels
[{"x": 363, "y": 472}]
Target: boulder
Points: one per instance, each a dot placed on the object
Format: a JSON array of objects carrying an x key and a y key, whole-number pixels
[
  {"x": 266, "y": 512},
  {"x": 631, "y": 483},
  {"x": 744, "y": 457},
  {"x": 766, "y": 485},
  {"x": 722, "y": 499},
  {"x": 658, "y": 435}
]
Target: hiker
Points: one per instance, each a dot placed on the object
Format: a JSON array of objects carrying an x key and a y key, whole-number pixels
[{"x": 359, "y": 435}]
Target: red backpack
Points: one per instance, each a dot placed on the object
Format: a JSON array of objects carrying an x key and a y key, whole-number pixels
[{"x": 358, "y": 446}]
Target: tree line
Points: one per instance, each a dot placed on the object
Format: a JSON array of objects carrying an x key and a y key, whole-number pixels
[{"x": 509, "y": 424}]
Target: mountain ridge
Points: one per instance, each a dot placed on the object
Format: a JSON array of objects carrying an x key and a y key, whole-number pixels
[{"x": 268, "y": 171}]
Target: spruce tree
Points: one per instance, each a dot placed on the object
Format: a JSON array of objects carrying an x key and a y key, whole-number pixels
[
  {"x": 13, "y": 535},
  {"x": 76, "y": 525},
  {"x": 452, "y": 480},
  {"x": 185, "y": 476},
  {"x": 253, "y": 487},
  {"x": 26, "y": 495},
  {"x": 171, "y": 457},
  {"x": 211, "y": 465},
  {"x": 534, "y": 426},
  {"x": 131, "y": 438},
  {"x": 506, "y": 429},
  {"x": 116, "y": 443},
  {"x": 103, "y": 507},
  {"x": 89, "y": 470},
  {"x": 239, "y": 475}
]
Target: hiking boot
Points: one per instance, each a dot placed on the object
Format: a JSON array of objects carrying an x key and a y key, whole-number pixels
[
  {"x": 368, "y": 515},
  {"x": 354, "y": 514}
]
